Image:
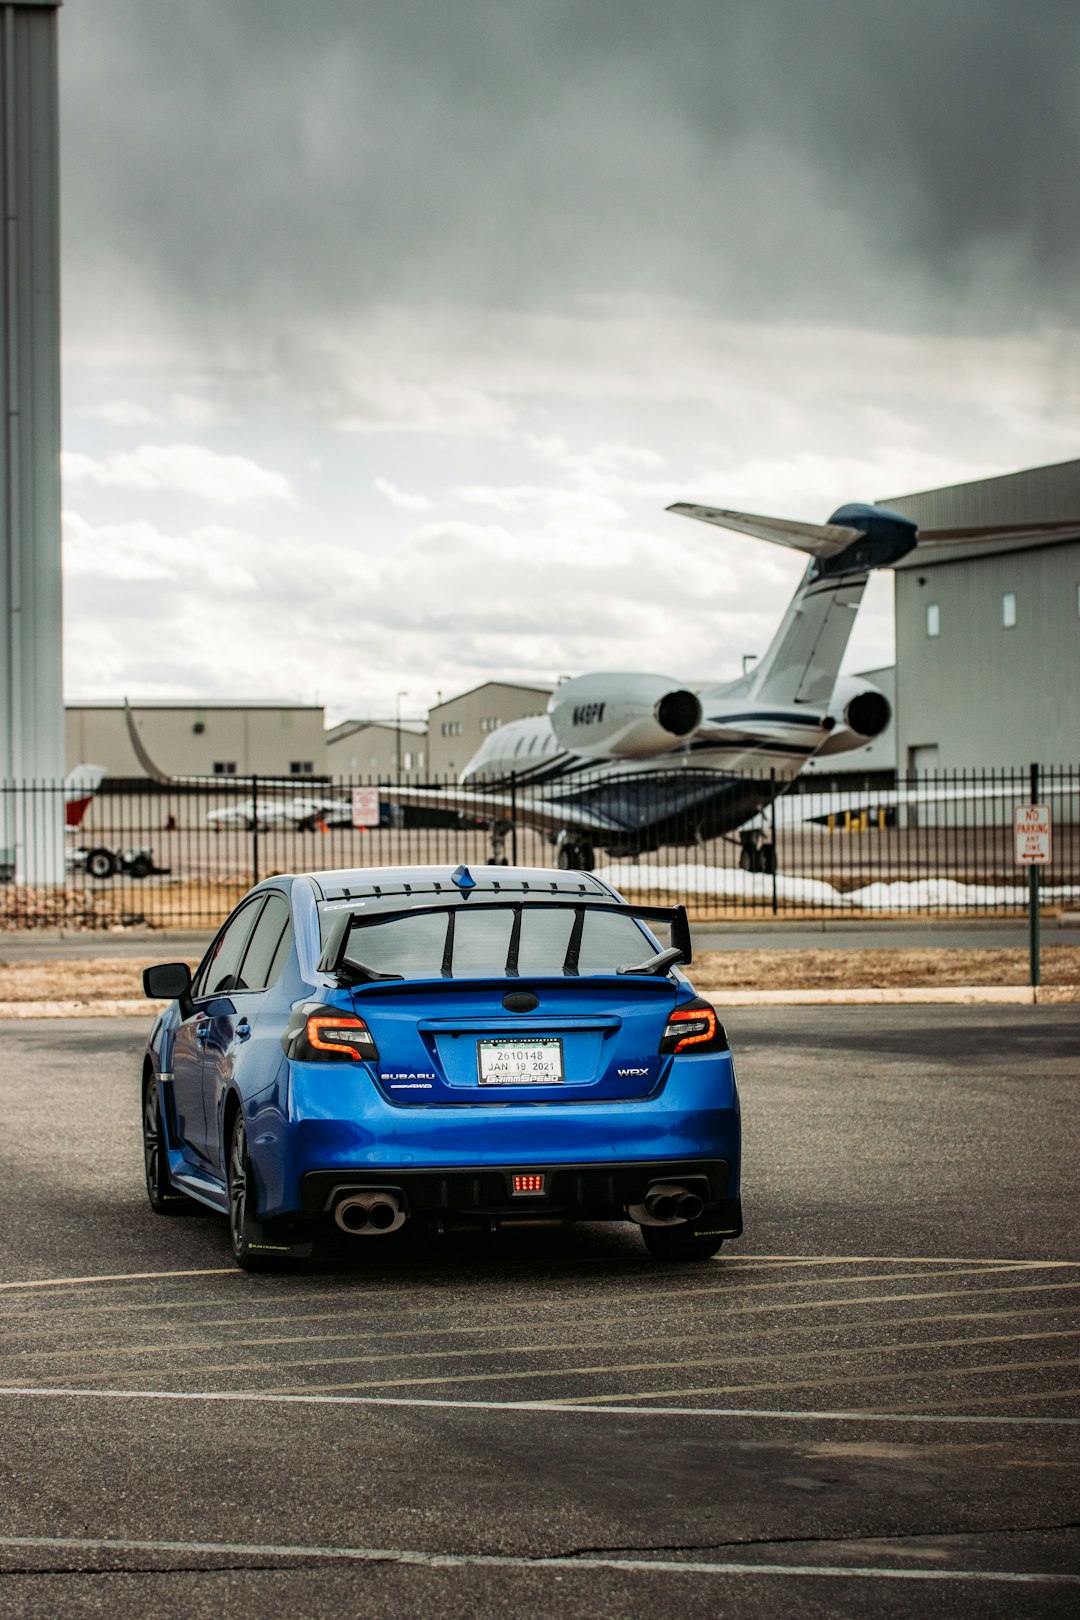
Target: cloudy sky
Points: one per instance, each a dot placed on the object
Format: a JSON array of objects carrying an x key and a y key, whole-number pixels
[{"x": 392, "y": 328}]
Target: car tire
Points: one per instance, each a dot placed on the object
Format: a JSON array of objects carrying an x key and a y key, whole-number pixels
[
  {"x": 681, "y": 1242},
  {"x": 243, "y": 1225},
  {"x": 100, "y": 863},
  {"x": 165, "y": 1198}
]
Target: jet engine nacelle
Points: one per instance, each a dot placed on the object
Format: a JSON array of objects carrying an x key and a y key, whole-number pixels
[
  {"x": 859, "y": 713},
  {"x": 623, "y": 716}
]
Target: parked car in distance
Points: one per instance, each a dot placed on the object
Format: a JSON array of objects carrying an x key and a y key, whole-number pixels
[{"x": 363, "y": 1050}]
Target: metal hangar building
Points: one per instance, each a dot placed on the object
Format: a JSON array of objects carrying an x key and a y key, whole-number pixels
[{"x": 988, "y": 624}]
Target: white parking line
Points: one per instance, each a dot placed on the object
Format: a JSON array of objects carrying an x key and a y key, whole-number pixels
[
  {"x": 122, "y": 1276},
  {"x": 638, "y": 1566},
  {"x": 972, "y": 1268},
  {"x": 14, "y": 1392},
  {"x": 385, "y": 1336},
  {"x": 1002, "y": 1263}
]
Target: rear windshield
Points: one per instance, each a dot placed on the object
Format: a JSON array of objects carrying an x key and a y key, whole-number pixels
[{"x": 481, "y": 943}]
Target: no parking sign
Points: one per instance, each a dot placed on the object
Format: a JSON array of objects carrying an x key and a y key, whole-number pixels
[
  {"x": 365, "y": 807},
  {"x": 1031, "y": 831}
]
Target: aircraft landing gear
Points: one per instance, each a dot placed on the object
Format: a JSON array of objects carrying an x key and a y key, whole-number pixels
[
  {"x": 500, "y": 832},
  {"x": 572, "y": 856},
  {"x": 758, "y": 855}
]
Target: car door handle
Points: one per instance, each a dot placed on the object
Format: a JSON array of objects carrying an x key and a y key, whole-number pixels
[
  {"x": 202, "y": 1029},
  {"x": 243, "y": 1030}
]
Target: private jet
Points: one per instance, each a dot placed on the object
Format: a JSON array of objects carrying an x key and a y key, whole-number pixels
[{"x": 630, "y": 762}]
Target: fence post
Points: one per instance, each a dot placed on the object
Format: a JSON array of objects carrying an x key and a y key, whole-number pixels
[
  {"x": 513, "y": 818},
  {"x": 772, "y": 818},
  {"x": 254, "y": 830},
  {"x": 1033, "y": 896}
]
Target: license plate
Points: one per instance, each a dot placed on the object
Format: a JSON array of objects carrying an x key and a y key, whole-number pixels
[{"x": 515, "y": 1062}]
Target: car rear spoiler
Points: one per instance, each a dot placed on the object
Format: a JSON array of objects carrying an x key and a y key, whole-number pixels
[{"x": 332, "y": 960}]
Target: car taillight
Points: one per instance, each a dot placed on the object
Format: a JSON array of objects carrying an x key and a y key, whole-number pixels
[
  {"x": 335, "y": 1034},
  {"x": 694, "y": 1027},
  {"x": 324, "y": 1036}
]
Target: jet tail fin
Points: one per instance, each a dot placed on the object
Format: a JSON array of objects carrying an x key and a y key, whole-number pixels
[
  {"x": 80, "y": 785},
  {"x": 804, "y": 659},
  {"x": 805, "y": 654}
]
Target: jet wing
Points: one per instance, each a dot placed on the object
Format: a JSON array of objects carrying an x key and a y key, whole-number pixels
[
  {"x": 819, "y": 539},
  {"x": 500, "y": 805}
]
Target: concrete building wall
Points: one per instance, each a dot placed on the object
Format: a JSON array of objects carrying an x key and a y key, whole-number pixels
[
  {"x": 983, "y": 691},
  {"x": 371, "y": 748},
  {"x": 201, "y": 739},
  {"x": 457, "y": 727}
]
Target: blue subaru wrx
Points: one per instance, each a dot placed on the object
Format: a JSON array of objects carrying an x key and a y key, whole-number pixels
[{"x": 358, "y": 1051}]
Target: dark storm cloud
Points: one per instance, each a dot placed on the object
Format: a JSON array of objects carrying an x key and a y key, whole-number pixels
[{"x": 884, "y": 161}]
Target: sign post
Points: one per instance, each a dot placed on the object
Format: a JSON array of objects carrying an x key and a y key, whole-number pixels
[{"x": 1031, "y": 832}]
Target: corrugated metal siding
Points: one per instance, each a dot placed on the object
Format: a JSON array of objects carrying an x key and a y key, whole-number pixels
[
  {"x": 263, "y": 739},
  {"x": 1036, "y": 495},
  {"x": 987, "y": 696}
]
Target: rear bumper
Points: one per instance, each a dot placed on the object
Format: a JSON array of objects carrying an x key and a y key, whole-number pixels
[
  {"x": 584, "y": 1191},
  {"x": 336, "y": 1128}
]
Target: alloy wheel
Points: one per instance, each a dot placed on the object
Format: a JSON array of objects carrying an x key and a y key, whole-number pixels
[
  {"x": 152, "y": 1142},
  {"x": 238, "y": 1186}
]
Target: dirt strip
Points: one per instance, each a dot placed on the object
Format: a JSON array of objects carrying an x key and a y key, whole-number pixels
[
  {"x": 898, "y": 996},
  {"x": 119, "y": 978},
  {"x": 111, "y": 986}
]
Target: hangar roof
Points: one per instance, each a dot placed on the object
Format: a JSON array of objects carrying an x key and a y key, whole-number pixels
[
  {"x": 1017, "y": 511},
  {"x": 184, "y": 704},
  {"x": 540, "y": 687}
]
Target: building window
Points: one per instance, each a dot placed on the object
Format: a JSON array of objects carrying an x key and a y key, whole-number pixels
[
  {"x": 407, "y": 761},
  {"x": 224, "y": 767},
  {"x": 301, "y": 767},
  {"x": 1008, "y": 610},
  {"x": 933, "y": 619}
]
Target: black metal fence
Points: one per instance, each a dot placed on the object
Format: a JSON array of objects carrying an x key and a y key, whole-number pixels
[{"x": 179, "y": 857}]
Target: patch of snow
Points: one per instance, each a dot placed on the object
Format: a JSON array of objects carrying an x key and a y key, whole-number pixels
[{"x": 730, "y": 883}]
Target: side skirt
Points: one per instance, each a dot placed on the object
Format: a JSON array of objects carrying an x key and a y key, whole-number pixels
[{"x": 206, "y": 1188}]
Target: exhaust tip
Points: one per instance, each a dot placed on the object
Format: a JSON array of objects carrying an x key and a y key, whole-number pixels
[
  {"x": 369, "y": 1214},
  {"x": 667, "y": 1203},
  {"x": 351, "y": 1216}
]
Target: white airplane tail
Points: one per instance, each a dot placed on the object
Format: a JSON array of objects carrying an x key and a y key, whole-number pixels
[{"x": 804, "y": 657}]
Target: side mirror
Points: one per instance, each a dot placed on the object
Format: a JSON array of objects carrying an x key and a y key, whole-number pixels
[{"x": 169, "y": 981}]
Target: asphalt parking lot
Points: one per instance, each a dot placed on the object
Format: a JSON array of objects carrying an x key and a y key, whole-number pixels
[{"x": 870, "y": 1404}]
